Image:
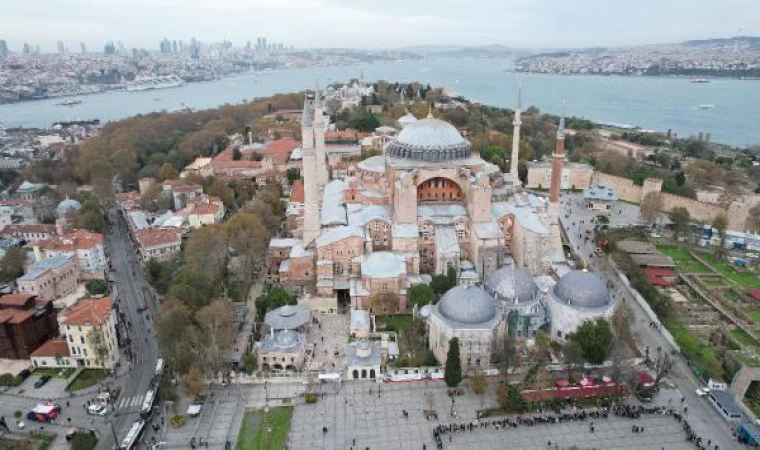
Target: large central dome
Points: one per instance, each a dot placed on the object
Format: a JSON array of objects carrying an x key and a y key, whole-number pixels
[{"x": 431, "y": 140}]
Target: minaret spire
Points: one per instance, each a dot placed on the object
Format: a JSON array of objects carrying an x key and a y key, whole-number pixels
[{"x": 516, "y": 137}]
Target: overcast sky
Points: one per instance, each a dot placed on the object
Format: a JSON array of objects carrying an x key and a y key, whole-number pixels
[{"x": 375, "y": 23}]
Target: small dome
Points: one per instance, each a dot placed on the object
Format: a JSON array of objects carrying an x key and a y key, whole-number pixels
[
  {"x": 68, "y": 205},
  {"x": 406, "y": 119},
  {"x": 287, "y": 311},
  {"x": 510, "y": 283},
  {"x": 424, "y": 312},
  {"x": 582, "y": 289},
  {"x": 469, "y": 305},
  {"x": 286, "y": 339},
  {"x": 431, "y": 140}
]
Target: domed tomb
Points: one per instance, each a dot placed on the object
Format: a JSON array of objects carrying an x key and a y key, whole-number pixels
[
  {"x": 513, "y": 285},
  {"x": 582, "y": 289},
  {"x": 467, "y": 305}
]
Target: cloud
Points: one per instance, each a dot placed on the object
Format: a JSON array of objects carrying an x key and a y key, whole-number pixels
[{"x": 372, "y": 23}]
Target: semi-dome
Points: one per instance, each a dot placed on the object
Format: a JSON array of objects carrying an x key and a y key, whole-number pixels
[
  {"x": 429, "y": 139},
  {"x": 512, "y": 284},
  {"x": 468, "y": 305},
  {"x": 582, "y": 289},
  {"x": 68, "y": 205}
]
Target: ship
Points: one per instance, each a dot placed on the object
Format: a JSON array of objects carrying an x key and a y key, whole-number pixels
[
  {"x": 70, "y": 102},
  {"x": 700, "y": 80},
  {"x": 150, "y": 83},
  {"x": 705, "y": 107}
]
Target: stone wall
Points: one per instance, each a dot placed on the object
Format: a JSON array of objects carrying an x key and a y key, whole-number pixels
[
  {"x": 623, "y": 187},
  {"x": 704, "y": 212}
]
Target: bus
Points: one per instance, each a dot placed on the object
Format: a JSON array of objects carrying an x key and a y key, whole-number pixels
[
  {"x": 133, "y": 436},
  {"x": 159, "y": 367},
  {"x": 147, "y": 406}
]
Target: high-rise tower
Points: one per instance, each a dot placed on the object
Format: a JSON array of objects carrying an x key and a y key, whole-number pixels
[{"x": 516, "y": 138}]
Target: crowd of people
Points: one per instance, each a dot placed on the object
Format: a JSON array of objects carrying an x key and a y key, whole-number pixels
[{"x": 557, "y": 416}]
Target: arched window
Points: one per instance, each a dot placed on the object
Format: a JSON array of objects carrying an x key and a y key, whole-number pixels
[{"x": 338, "y": 268}]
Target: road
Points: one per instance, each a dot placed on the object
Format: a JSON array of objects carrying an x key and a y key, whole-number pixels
[
  {"x": 701, "y": 415},
  {"x": 132, "y": 290}
]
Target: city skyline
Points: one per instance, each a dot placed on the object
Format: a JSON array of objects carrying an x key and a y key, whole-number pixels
[{"x": 515, "y": 23}]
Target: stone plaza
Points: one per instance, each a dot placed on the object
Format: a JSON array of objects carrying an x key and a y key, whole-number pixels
[{"x": 376, "y": 421}]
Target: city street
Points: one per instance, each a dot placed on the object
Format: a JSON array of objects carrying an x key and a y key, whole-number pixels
[
  {"x": 132, "y": 290},
  {"x": 703, "y": 418}
]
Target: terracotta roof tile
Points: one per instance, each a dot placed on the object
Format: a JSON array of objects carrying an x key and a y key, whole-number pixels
[
  {"x": 76, "y": 240},
  {"x": 224, "y": 161},
  {"x": 152, "y": 237},
  {"x": 29, "y": 228},
  {"x": 297, "y": 193},
  {"x": 52, "y": 349},
  {"x": 15, "y": 300},
  {"x": 87, "y": 311}
]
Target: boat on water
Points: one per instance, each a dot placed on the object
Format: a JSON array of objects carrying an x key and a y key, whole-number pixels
[
  {"x": 69, "y": 102},
  {"x": 700, "y": 80},
  {"x": 150, "y": 83},
  {"x": 705, "y": 107}
]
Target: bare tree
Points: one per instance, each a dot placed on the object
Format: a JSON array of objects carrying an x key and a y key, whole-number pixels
[
  {"x": 650, "y": 206},
  {"x": 720, "y": 224},
  {"x": 662, "y": 365},
  {"x": 215, "y": 323}
]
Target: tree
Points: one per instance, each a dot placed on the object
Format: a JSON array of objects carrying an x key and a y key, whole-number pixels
[
  {"x": 97, "y": 342},
  {"x": 662, "y": 366},
  {"x": 680, "y": 217},
  {"x": 90, "y": 216},
  {"x": 753, "y": 218},
  {"x": 167, "y": 172},
  {"x": 593, "y": 339},
  {"x": 293, "y": 174},
  {"x": 219, "y": 188},
  {"x": 479, "y": 382},
  {"x": 720, "y": 223},
  {"x": 508, "y": 396},
  {"x": 155, "y": 199},
  {"x": 215, "y": 323},
  {"x": 12, "y": 264},
  {"x": 194, "y": 382},
  {"x": 97, "y": 287},
  {"x": 453, "y": 372},
  {"x": 247, "y": 239},
  {"x": 173, "y": 325},
  {"x": 274, "y": 297},
  {"x": 206, "y": 253},
  {"x": 365, "y": 122},
  {"x": 421, "y": 295},
  {"x": 650, "y": 206},
  {"x": 237, "y": 155},
  {"x": 543, "y": 345}
]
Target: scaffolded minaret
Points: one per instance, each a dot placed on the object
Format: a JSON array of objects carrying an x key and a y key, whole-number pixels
[
  {"x": 558, "y": 160},
  {"x": 516, "y": 139},
  {"x": 310, "y": 177}
]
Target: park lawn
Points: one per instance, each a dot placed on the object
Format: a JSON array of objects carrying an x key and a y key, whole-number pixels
[
  {"x": 37, "y": 441},
  {"x": 395, "y": 321},
  {"x": 87, "y": 378},
  {"x": 256, "y": 421},
  {"x": 56, "y": 373},
  {"x": 754, "y": 314},
  {"x": 743, "y": 338},
  {"x": 748, "y": 280},
  {"x": 684, "y": 261},
  {"x": 693, "y": 349}
]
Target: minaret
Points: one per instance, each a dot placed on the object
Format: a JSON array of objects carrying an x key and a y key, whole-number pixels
[
  {"x": 516, "y": 138},
  {"x": 310, "y": 181},
  {"x": 319, "y": 143},
  {"x": 558, "y": 159}
]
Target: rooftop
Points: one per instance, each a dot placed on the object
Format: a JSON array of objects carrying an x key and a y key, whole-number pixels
[
  {"x": 600, "y": 192},
  {"x": 87, "y": 312},
  {"x": 54, "y": 348},
  {"x": 288, "y": 317},
  {"x": 354, "y": 357},
  {"x": 76, "y": 240},
  {"x": 155, "y": 237},
  {"x": 44, "y": 265},
  {"x": 383, "y": 265}
]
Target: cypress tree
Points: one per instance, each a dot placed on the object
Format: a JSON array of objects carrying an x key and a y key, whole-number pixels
[{"x": 453, "y": 373}]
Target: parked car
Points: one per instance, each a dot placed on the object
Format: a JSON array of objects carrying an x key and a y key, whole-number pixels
[
  {"x": 702, "y": 392},
  {"x": 98, "y": 409},
  {"x": 24, "y": 374},
  {"x": 42, "y": 381}
]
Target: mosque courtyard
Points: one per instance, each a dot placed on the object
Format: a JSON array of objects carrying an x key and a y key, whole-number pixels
[{"x": 355, "y": 418}]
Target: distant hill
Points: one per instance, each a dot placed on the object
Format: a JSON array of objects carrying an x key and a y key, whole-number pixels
[
  {"x": 478, "y": 51},
  {"x": 743, "y": 41}
]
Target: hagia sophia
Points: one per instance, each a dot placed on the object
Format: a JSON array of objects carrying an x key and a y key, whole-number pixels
[{"x": 429, "y": 205}]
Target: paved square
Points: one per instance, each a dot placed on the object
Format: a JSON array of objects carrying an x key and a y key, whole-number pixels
[
  {"x": 329, "y": 339},
  {"x": 378, "y": 423}
]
